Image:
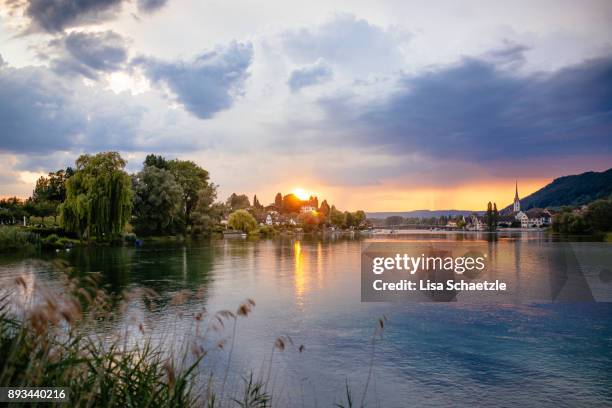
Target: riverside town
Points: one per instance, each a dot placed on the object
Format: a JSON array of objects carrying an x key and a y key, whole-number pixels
[{"x": 304, "y": 204}]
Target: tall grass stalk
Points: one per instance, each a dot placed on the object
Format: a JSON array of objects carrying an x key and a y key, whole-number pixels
[{"x": 49, "y": 342}]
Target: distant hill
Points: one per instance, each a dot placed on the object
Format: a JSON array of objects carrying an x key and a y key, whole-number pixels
[
  {"x": 421, "y": 213},
  {"x": 570, "y": 190}
]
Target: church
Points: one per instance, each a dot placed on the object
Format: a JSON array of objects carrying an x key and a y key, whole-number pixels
[{"x": 532, "y": 218}]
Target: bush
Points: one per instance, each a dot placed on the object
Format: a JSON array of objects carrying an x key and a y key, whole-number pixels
[
  {"x": 16, "y": 238},
  {"x": 51, "y": 241},
  {"x": 242, "y": 220},
  {"x": 599, "y": 215},
  {"x": 267, "y": 231}
]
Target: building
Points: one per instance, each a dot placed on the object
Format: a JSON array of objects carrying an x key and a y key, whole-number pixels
[
  {"x": 517, "y": 201},
  {"x": 477, "y": 223},
  {"x": 272, "y": 218},
  {"x": 532, "y": 218},
  {"x": 307, "y": 209}
]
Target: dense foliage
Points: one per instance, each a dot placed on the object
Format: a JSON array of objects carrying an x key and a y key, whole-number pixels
[
  {"x": 596, "y": 217},
  {"x": 242, "y": 220},
  {"x": 98, "y": 197},
  {"x": 193, "y": 179},
  {"x": 239, "y": 202},
  {"x": 99, "y": 200},
  {"x": 157, "y": 201},
  {"x": 207, "y": 213}
]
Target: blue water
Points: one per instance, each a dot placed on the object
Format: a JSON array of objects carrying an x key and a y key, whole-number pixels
[{"x": 429, "y": 354}]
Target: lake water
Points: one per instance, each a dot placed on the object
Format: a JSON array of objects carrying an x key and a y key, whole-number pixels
[{"x": 431, "y": 354}]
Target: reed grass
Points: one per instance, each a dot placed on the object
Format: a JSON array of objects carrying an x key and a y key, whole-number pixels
[{"x": 50, "y": 343}]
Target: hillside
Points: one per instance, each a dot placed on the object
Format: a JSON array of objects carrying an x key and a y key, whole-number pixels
[{"x": 571, "y": 190}]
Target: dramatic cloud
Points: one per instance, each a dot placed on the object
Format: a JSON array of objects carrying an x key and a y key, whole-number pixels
[
  {"x": 40, "y": 112},
  {"x": 474, "y": 110},
  {"x": 149, "y": 6},
  {"x": 36, "y": 113},
  {"x": 355, "y": 44},
  {"x": 310, "y": 75},
  {"x": 56, "y": 15},
  {"x": 208, "y": 84},
  {"x": 88, "y": 54}
]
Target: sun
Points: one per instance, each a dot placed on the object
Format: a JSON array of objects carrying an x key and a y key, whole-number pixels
[{"x": 301, "y": 194}]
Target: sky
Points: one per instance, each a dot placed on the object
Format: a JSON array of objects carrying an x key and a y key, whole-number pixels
[{"x": 374, "y": 105}]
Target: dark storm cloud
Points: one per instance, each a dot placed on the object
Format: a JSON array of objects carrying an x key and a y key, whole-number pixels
[
  {"x": 40, "y": 113},
  {"x": 208, "y": 84},
  {"x": 88, "y": 53},
  {"x": 309, "y": 75},
  {"x": 149, "y": 6},
  {"x": 56, "y": 15},
  {"x": 476, "y": 111}
]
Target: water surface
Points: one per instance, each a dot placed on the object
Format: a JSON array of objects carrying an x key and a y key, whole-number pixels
[{"x": 431, "y": 354}]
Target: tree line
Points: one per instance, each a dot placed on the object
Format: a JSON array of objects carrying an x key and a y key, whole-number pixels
[
  {"x": 97, "y": 198},
  {"x": 593, "y": 218},
  {"x": 290, "y": 207}
]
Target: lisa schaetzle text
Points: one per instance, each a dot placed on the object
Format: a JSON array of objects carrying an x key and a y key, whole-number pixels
[
  {"x": 413, "y": 264},
  {"x": 428, "y": 271}
]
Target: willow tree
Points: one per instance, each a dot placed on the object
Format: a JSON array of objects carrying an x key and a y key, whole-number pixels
[{"x": 98, "y": 197}]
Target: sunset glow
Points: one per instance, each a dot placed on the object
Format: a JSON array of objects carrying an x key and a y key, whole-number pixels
[{"x": 301, "y": 194}]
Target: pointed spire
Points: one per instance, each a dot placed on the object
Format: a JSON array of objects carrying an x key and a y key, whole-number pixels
[
  {"x": 516, "y": 196},
  {"x": 517, "y": 200}
]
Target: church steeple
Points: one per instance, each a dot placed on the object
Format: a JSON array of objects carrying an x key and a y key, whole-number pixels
[{"x": 517, "y": 201}]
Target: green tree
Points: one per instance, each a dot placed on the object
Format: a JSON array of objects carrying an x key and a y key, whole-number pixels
[
  {"x": 192, "y": 179},
  {"x": 337, "y": 218},
  {"x": 207, "y": 213},
  {"x": 278, "y": 201},
  {"x": 599, "y": 215},
  {"x": 50, "y": 192},
  {"x": 98, "y": 197},
  {"x": 324, "y": 209},
  {"x": 569, "y": 223},
  {"x": 490, "y": 219},
  {"x": 12, "y": 210},
  {"x": 238, "y": 202},
  {"x": 153, "y": 160},
  {"x": 41, "y": 208},
  {"x": 349, "y": 220},
  {"x": 495, "y": 216},
  {"x": 359, "y": 218},
  {"x": 242, "y": 220},
  {"x": 157, "y": 201},
  {"x": 256, "y": 203}
]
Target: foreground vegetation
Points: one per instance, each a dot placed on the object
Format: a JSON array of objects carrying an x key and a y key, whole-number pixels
[
  {"x": 50, "y": 342},
  {"x": 12, "y": 239}
]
